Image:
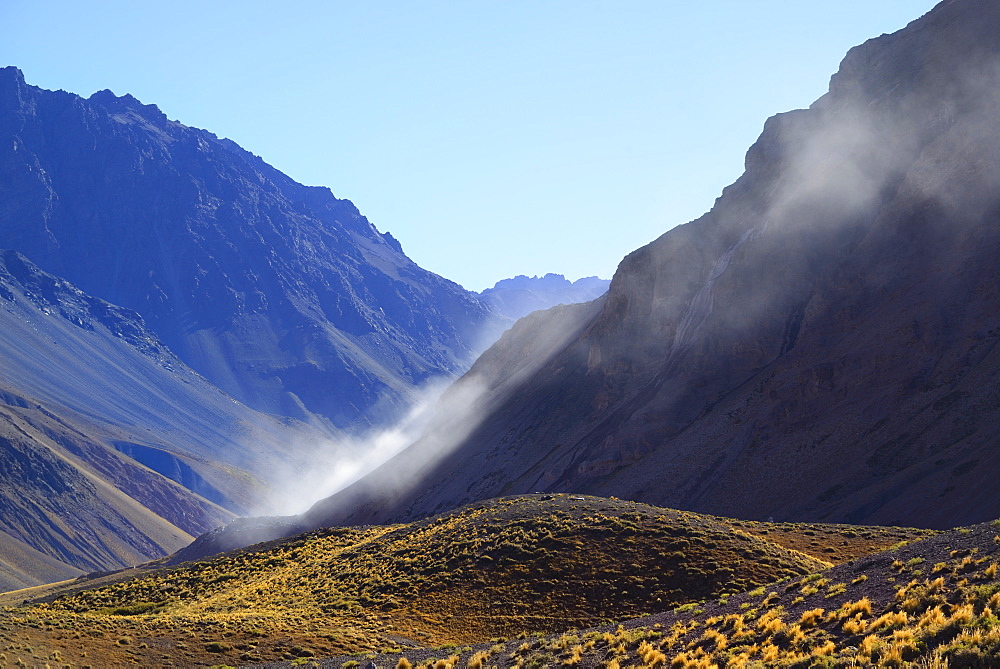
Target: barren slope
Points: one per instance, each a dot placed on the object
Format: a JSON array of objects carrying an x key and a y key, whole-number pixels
[{"x": 112, "y": 451}]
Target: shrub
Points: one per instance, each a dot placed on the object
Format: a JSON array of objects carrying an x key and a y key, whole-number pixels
[
  {"x": 889, "y": 620},
  {"x": 811, "y": 617},
  {"x": 650, "y": 656},
  {"x": 718, "y": 639},
  {"x": 855, "y": 625},
  {"x": 824, "y": 649},
  {"x": 476, "y": 661},
  {"x": 863, "y": 605},
  {"x": 836, "y": 589}
]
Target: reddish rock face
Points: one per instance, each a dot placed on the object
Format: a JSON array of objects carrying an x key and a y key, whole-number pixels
[{"x": 821, "y": 345}]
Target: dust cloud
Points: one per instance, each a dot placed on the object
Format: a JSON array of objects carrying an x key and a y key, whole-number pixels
[{"x": 327, "y": 464}]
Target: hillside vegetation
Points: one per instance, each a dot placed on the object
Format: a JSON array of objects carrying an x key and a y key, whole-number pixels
[
  {"x": 531, "y": 564},
  {"x": 932, "y": 603}
]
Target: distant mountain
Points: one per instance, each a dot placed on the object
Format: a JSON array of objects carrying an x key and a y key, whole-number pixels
[
  {"x": 112, "y": 451},
  {"x": 518, "y": 297},
  {"x": 281, "y": 294},
  {"x": 824, "y": 344}
]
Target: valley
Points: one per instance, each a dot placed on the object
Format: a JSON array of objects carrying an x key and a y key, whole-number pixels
[{"x": 239, "y": 426}]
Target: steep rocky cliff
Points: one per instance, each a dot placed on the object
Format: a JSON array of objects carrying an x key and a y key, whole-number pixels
[
  {"x": 821, "y": 345},
  {"x": 281, "y": 294}
]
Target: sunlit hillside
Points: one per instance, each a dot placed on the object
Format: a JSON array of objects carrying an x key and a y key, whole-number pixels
[{"x": 533, "y": 564}]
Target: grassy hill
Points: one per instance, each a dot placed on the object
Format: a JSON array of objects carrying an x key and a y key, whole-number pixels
[
  {"x": 533, "y": 564},
  {"x": 929, "y": 603}
]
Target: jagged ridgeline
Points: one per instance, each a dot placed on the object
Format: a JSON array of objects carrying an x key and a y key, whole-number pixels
[
  {"x": 281, "y": 294},
  {"x": 519, "y": 296}
]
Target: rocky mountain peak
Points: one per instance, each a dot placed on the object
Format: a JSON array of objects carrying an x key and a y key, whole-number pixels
[
  {"x": 13, "y": 89},
  {"x": 127, "y": 103},
  {"x": 11, "y": 77},
  {"x": 282, "y": 294},
  {"x": 520, "y": 295}
]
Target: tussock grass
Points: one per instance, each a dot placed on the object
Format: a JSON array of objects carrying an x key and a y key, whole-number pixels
[{"x": 535, "y": 563}]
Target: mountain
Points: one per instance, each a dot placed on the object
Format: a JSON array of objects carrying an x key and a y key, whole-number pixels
[
  {"x": 518, "y": 297},
  {"x": 282, "y": 295},
  {"x": 821, "y": 345},
  {"x": 112, "y": 451}
]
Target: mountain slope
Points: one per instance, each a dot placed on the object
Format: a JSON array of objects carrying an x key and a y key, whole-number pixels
[
  {"x": 21, "y": 566},
  {"x": 822, "y": 344},
  {"x": 112, "y": 451},
  {"x": 62, "y": 516},
  {"x": 282, "y": 295},
  {"x": 92, "y": 362}
]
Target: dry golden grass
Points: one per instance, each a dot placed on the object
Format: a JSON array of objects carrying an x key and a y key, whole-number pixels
[
  {"x": 525, "y": 567},
  {"x": 536, "y": 563},
  {"x": 945, "y": 620},
  {"x": 831, "y": 543}
]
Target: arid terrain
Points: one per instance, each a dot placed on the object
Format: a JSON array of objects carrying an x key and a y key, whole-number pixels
[{"x": 528, "y": 566}]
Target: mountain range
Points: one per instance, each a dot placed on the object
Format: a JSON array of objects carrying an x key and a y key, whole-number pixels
[
  {"x": 201, "y": 337},
  {"x": 819, "y": 346},
  {"x": 517, "y": 297},
  {"x": 199, "y": 333}
]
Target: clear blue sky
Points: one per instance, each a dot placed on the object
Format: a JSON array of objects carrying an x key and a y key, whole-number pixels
[{"x": 492, "y": 138}]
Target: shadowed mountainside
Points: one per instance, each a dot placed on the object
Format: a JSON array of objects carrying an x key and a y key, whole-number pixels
[
  {"x": 281, "y": 294},
  {"x": 821, "y": 345}
]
